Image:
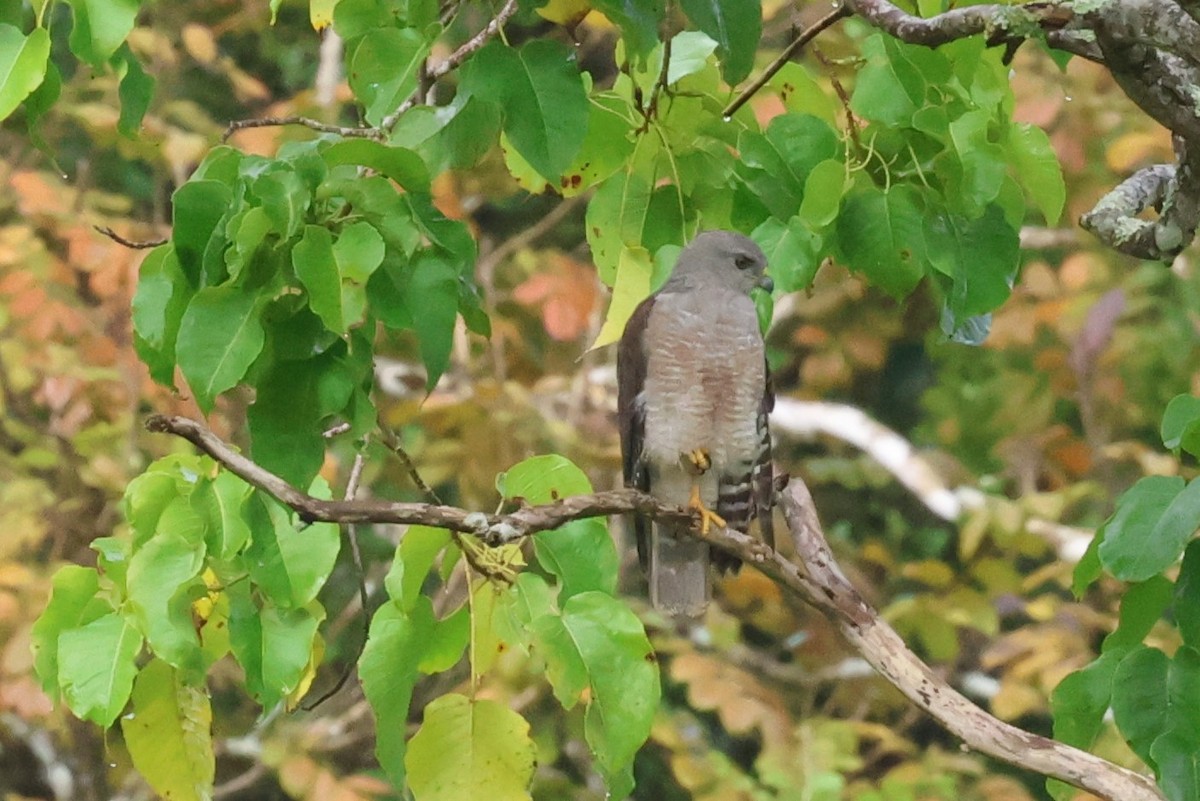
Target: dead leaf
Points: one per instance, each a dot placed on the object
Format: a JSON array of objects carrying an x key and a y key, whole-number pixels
[{"x": 567, "y": 293}]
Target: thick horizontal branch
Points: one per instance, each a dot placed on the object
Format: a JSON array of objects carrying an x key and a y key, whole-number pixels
[
  {"x": 816, "y": 578},
  {"x": 958, "y": 23},
  {"x": 495, "y": 529}
]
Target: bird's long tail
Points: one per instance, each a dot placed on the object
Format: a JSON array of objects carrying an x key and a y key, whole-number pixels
[{"x": 678, "y": 571}]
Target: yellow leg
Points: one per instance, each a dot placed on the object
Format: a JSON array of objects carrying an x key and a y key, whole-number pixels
[{"x": 708, "y": 518}]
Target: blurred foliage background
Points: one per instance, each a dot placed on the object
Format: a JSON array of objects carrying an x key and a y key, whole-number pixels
[{"x": 1052, "y": 417}]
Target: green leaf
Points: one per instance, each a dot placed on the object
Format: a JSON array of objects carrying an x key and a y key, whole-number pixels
[
  {"x": 1177, "y": 755},
  {"x": 638, "y": 20},
  {"x": 169, "y": 734},
  {"x": 196, "y": 208},
  {"x": 388, "y": 670},
  {"x": 415, "y": 555},
  {"x": 432, "y": 298},
  {"x": 315, "y": 266},
  {"x": 384, "y": 67},
  {"x": 248, "y": 231},
  {"x": 1081, "y": 700},
  {"x": 100, "y": 28},
  {"x": 599, "y": 638},
  {"x": 801, "y": 93},
  {"x": 358, "y": 251},
  {"x": 581, "y": 554},
  {"x": 38, "y": 104},
  {"x": 689, "y": 54},
  {"x": 1037, "y": 167},
  {"x": 793, "y": 252},
  {"x": 881, "y": 235},
  {"x": 1153, "y": 522},
  {"x": 220, "y": 335},
  {"x": 220, "y": 502},
  {"x": 776, "y": 165},
  {"x": 288, "y": 639},
  {"x": 22, "y": 65},
  {"x": 135, "y": 92},
  {"x": 398, "y": 163},
  {"x": 158, "y": 305},
  {"x": 286, "y": 418},
  {"x": 1088, "y": 570},
  {"x": 289, "y": 564},
  {"x": 617, "y": 218},
  {"x": 606, "y": 148},
  {"x": 1153, "y": 693},
  {"x": 1141, "y": 607},
  {"x": 160, "y": 578},
  {"x": 73, "y": 604},
  {"x": 450, "y": 637},
  {"x": 285, "y": 200},
  {"x": 1181, "y": 424},
  {"x": 541, "y": 95},
  {"x": 826, "y": 184},
  {"x": 891, "y": 86},
  {"x": 470, "y": 749},
  {"x": 735, "y": 25},
  {"x": 164, "y": 482},
  {"x": 975, "y": 168},
  {"x": 96, "y": 666},
  {"x": 1187, "y": 596},
  {"x": 979, "y": 257}
]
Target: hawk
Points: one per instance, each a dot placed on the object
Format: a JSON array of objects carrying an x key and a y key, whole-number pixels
[{"x": 692, "y": 406}]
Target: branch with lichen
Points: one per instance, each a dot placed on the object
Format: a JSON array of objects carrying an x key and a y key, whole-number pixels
[{"x": 814, "y": 576}]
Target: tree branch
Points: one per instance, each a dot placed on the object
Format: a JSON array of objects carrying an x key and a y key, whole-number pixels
[
  {"x": 379, "y": 133},
  {"x": 960, "y": 23},
  {"x": 816, "y": 578},
  {"x": 476, "y": 42},
  {"x": 133, "y": 244},
  {"x": 307, "y": 122}
]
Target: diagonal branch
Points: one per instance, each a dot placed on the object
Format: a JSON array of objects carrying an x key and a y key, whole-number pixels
[{"x": 816, "y": 578}]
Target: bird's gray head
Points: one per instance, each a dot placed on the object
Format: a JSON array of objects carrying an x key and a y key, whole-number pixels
[{"x": 723, "y": 259}]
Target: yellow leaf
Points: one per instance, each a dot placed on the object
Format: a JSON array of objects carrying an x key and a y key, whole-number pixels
[
  {"x": 567, "y": 13},
  {"x": 320, "y": 13},
  {"x": 310, "y": 672},
  {"x": 169, "y": 734},
  {"x": 631, "y": 286},
  {"x": 199, "y": 42}
]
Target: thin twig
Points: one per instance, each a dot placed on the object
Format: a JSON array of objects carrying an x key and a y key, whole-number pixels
[
  {"x": 392, "y": 440},
  {"x": 476, "y": 42},
  {"x": 660, "y": 83},
  {"x": 307, "y": 122},
  {"x": 789, "y": 52},
  {"x": 356, "y": 470},
  {"x": 452, "y": 62},
  {"x": 528, "y": 236},
  {"x": 130, "y": 243}
]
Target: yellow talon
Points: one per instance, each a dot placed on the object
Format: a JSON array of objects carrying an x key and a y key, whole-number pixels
[
  {"x": 700, "y": 460},
  {"x": 708, "y": 518}
]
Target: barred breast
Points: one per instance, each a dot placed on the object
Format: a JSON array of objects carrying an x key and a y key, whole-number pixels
[{"x": 704, "y": 378}]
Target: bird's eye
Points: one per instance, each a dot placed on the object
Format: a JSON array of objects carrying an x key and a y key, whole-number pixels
[{"x": 743, "y": 262}]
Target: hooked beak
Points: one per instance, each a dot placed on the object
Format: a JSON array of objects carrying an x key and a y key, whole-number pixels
[{"x": 766, "y": 283}]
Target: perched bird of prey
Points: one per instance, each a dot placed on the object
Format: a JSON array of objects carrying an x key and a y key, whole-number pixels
[{"x": 693, "y": 399}]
